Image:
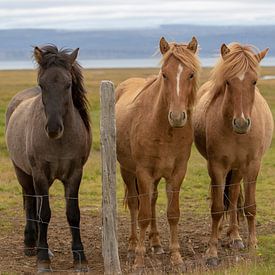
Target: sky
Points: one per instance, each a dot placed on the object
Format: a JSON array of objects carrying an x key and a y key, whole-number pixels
[{"x": 122, "y": 14}]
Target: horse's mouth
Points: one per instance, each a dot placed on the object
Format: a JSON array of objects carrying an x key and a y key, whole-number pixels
[
  {"x": 241, "y": 131},
  {"x": 54, "y": 135}
]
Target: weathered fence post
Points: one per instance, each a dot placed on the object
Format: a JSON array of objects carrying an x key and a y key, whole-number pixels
[{"x": 108, "y": 160}]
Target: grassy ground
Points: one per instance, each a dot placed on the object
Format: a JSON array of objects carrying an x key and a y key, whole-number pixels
[{"x": 194, "y": 194}]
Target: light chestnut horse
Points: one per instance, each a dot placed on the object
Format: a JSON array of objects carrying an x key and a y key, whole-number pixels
[
  {"x": 233, "y": 128},
  {"x": 154, "y": 138}
]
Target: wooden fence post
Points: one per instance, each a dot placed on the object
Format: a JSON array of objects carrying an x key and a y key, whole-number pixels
[{"x": 108, "y": 160}]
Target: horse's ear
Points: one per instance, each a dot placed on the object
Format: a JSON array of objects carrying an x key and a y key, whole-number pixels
[
  {"x": 261, "y": 54},
  {"x": 73, "y": 55},
  {"x": 224, "y": 50},
  {"x": 163, "y": 46},
  {"x": 38, "y": 54},
  {"x": 193, "y": 44}
]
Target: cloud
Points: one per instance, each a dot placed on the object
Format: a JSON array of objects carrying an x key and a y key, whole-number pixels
[{"x": 106, "y": 14}]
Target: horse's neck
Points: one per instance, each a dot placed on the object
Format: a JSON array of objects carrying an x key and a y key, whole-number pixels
[
  {"x": 159, "y": 107},
  {"x": 70, "y": 116},
  {"x": 226, "y": 106}
]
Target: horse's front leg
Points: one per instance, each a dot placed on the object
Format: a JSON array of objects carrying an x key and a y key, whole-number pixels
[
  {"x": 41, "y": 186},
  {"x": 73, "y": 216},
  {"x": 234, "y": 191},
  {"x": 145, "y": 182},
  {"x": 217, "y": 174},
  {"x": 173, "y": 214},
  {"x": 250, "y": 179},
  {"x": 154, "y": 233}
]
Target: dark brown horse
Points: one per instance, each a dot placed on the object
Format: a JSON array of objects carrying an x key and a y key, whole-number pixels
[
  {"x": 154, "y": 138},
  {"x": 49, "y": 137},
  {"x": 233, "y": 128}
]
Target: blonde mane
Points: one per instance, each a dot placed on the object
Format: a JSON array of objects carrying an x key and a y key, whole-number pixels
[
  {"x": 187, "y": 58},
  {"x": 240, "y": 59}
]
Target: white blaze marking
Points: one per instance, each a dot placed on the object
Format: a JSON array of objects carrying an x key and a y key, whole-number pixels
[
  {"x": 242, "y": 116},
  {"x": 241, "y": 76},
  {"x": 180, "y": 69}
]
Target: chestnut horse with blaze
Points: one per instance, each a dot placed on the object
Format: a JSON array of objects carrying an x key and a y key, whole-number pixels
[
  {"x": 233, "y": 128},
  {"x": 154, "y": 138}
]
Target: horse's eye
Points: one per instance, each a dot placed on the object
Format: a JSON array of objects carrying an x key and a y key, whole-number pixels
[
  {"x": 191, "y": 76},
  {"x": 227, "y": 82},
  {"x": 164, "y": 76},
  {"x": 254, "y": 82},
  {"x": 41, "y": 86}
]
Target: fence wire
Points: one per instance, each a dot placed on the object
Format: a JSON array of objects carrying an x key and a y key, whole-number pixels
[{"x": 62, "y": 224}]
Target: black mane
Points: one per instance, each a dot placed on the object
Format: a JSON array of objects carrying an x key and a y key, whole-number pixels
[{"x": 51, "y": 56}]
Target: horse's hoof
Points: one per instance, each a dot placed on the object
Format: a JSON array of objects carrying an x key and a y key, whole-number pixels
[
  {"x": 179, "y": 268},
  {"x": 81, "y": 268},
  {"x": 252, "y": 246},
  {"x": 30, "y": 251},
  {"x": 237, "y": 244},
  {"x": 176, "y": 259},
  {"x": 44, "y": 266},
  {"x": 157, "y": 249},
  {"x": 131, "y": 254},
  {"x": 44, "y": 270},
  {"x": 138, "y": 270},
  {"x": 139, "y": 264},
  {"x": 212, "y": 262}
]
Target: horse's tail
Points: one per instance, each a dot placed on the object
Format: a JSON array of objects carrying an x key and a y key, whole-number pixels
[
  {"x": 226, "y": 201},
  {"x": 125, "y": 204}
]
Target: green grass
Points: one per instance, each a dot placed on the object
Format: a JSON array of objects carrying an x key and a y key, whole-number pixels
[{"x": 195, "y": 189}]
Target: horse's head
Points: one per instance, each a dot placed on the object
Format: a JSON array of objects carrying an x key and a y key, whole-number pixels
[
  {"x": 55, "y": 81},
  {"x": 179, "y": 74},
  {"x": 240, "y": 82}
]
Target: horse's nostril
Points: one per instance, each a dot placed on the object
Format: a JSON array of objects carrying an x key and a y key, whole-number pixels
[
  {"x": 248, "y": 122},
  {"x": 235, "y": 121},
  {"x": 183, "y": 115},
  {"x": 171, "y": 115}
]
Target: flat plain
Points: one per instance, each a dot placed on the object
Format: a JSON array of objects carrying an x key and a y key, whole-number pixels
[{"x": 194, "y": 227}]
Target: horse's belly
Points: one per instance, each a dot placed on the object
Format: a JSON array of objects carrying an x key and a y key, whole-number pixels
[{"x": 16, "y": 141}]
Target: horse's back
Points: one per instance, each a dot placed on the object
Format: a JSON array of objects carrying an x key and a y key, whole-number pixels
[
  {"x": 18, "y": 99},
  {"x": 125, "y": 119},
  {"x": 266, "y": 117},
  {"x": 20, "y": 114},
  {"x": 129, "y": 88}
]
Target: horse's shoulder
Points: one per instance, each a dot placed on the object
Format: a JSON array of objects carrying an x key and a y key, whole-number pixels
[{"x": 19, "y": 98}]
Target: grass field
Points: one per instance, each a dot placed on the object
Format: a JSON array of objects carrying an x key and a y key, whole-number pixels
[{"x": 195, "y": 191}]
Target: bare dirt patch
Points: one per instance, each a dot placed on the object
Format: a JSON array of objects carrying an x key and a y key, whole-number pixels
[{"x": 193, "y": 235}]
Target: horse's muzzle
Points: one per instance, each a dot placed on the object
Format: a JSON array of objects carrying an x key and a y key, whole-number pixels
[
  {"x": 241, "y": 125},
  {"x": 55, "y": 132},
  {"x": 177, "y": 120}
]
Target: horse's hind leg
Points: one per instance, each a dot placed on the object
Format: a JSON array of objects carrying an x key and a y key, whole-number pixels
[
  {"x": 154, "y": 234},
  {"x": 132, "y": 201},
  {"x": 234, "y": 191},
  {"x": 30, "y": 233},
  {"x": 250, "y": 202},
  {"x": 73, "y": 216}
]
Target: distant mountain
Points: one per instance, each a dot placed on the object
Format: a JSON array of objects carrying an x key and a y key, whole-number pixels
[{"x": 133, "y": 43}]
